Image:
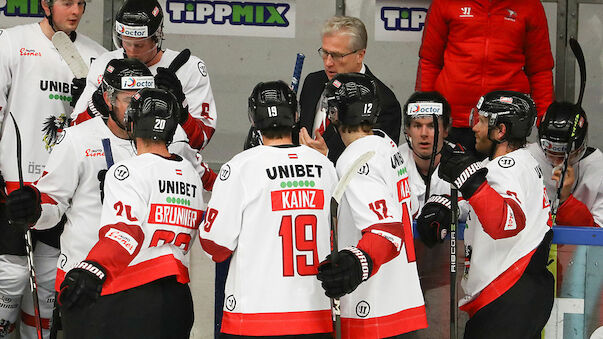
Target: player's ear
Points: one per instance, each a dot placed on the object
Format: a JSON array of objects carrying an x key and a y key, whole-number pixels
[
  {"x": 107, "y": 100},
  {"x": 501, "y": 132},
  {"x": 45, "y": 7}
]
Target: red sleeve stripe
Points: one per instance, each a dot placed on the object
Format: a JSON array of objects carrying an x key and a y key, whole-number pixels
[
  {"x": 118, "y": 244},
  {"x": 500, "y": 217},
  {"x": 198, "y": 133},
  {"x": 218, "y": 253},
  {"x": 378, "y": 241}
]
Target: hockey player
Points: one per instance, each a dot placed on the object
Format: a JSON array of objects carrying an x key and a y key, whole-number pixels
[
  {"x": 270, "y": 211},
  {"x": 70, "y": 185},
  {"x": 35, "y": 87},
  {"x": 139, "y": 34},
  {"x": 581, "y": 199},
  {"x": 509, "y": 291},
  {"x": 374, "y": 273},
  {"x": 151, "y": 213}
]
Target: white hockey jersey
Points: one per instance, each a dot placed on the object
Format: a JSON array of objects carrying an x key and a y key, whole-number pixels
[
  {"x": 375, "y": 210},
  {"x": 195, "y": 85},
  {"x": 70, "y": 186},
  {"x": 35, "y": 85},
  {"x": 270, "y": 206},
  {"x": 508, "y": 219},
  {"x": 152, "y": 210},
  {"x": 418, "y": 187},
  {"x": 588, "y": 187}
]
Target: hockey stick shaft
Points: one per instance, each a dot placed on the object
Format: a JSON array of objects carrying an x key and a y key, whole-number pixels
[
  {"x": 579, "y": 54},
  {"x": 299, "y": 64},
  {"x": 342, "y": 184},
  {"x": 28, "y": 243},
  {"x": 434, "y": 153},
  {"x": 453, "y": 261},
  {"x": 108, "y": 153}
]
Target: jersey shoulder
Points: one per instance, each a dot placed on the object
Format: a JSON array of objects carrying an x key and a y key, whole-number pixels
[{"x": 90, "y": 44}]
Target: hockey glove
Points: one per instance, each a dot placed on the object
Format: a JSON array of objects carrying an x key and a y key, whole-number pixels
[
  {"x": 101, "y": 183},
  {"x": 82, "y": 285},
  {"x": 434, "y": 221},
  {"x": 23, "y": 207},
  {"x": 461, "y": 169},
  {"x": 77, "y": 88},
  {"x": 341, "y": 276},
  {"x": 166, "y": 79}
]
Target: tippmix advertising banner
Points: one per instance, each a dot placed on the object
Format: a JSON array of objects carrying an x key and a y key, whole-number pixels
[
  {"x": 234, "y": 18},
  {"x": 400, "y": 20}
]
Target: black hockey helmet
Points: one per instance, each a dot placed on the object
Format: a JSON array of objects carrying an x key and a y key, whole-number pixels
[
  {"x": 426, "y": 104},
  {"x": 555, "y": 131},
  {"x": 272, "y": 104},
  {"x": 352, "y": 99},
  {"x": 126, "y": 74},
  {"x": 515, "y": 110},
  {"x": 153, "y": 114},
  {"x": 139, "y": 19}
]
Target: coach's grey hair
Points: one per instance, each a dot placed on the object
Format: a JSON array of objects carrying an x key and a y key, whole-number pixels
[{"x": 346, "y": 25}]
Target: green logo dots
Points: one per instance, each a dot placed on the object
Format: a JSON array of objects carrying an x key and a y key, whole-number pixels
[
  {"x": 283, "y": 184},
  {"x": 312, "y": 183}
]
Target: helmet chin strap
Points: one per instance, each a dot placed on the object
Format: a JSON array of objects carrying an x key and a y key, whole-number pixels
[{"x": 72, "y": 34}]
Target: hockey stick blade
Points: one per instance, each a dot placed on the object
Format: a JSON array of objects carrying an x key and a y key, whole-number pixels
[
  {"x": 299, "y": 64},
  {"x": 180, "y": 60},
  {"x": 70, "y": 54},
  {"x": 577, "y": 50}
]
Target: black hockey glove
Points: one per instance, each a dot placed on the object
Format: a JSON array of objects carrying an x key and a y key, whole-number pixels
[
  {"x": 166, "y": 79},
  {"x": 434, "y": 221},
  {"x": 82, "y": 285},
  {"x": 101, "y": 183},
  {"x": 77, "y": 88},
  {"x": 23, "y": 207},
  {"x": 340, "y": 277},
  {"x": 461, "y": 169}
]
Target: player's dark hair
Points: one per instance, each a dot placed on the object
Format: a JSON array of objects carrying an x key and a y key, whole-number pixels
[{"x": 276, "y": 132}]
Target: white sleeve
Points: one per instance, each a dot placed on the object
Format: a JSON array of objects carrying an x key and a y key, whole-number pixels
[
  {"x": 5, "y": 74},
  {"x": 126, "y": 197},
  {"x": 224, "y": 213},
  {"x": 368, "y": 197},
  {"x": 197, "y": 89},
  {"x": 59, "y": 181}
]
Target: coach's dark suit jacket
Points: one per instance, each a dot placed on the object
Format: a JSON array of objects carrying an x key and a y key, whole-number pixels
[{"x": 389, "y": 120}]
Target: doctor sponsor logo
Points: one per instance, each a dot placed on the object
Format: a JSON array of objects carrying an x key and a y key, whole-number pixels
[
  {"x": 131, "y": 31},
  {"x": 137, "y": 82}
]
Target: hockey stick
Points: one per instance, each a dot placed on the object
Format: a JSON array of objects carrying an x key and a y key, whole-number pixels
[
  {"x": 453, "y": 231},
  {"x": 70, "y": 54},
  {"x": 577, "y": 50},
  {"x": 434, "y": 153},
  {"x": 299, "y": 63},
  {"x": 28, "y": 243},
  {"x": 180, "y": 60},
  {"x": 108, "y": 153},
  {"x": 335, "y": 200}
]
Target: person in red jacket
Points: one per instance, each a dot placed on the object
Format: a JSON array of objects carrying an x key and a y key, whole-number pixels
[{"x": 472, "y": 47}]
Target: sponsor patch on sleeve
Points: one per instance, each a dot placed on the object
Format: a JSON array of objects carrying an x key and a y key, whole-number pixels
[{"x": 123, "y": 239}]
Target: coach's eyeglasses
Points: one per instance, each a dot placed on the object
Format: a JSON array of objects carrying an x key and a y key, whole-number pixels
[{"x": 336, "y": 56}]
